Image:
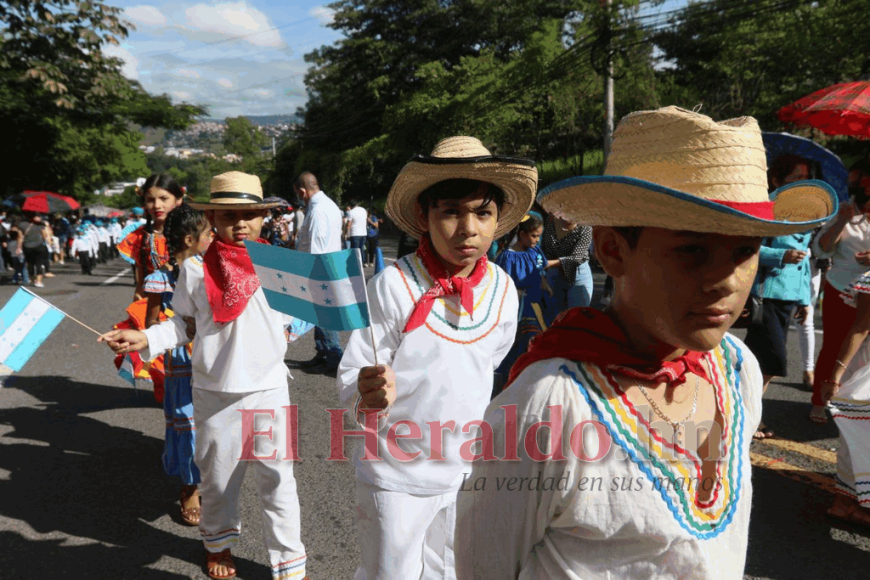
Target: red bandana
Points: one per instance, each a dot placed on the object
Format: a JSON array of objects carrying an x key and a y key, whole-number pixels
[
  {"x": 590, "y": 336},
  {"x": 445, "y": 285},
  {"x": 230, "y": 279}
]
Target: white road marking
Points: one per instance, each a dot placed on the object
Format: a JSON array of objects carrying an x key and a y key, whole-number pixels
[{"x": 108, "y": 281}]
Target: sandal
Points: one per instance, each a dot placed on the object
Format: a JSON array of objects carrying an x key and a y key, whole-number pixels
[
  {"x": 850, "y": 512},
  {"x": 818, "y": 415},
  {"x": 215, "y": 560},
  {"x": 190, "y": 515},
  {"x": 763, "y": 432}
]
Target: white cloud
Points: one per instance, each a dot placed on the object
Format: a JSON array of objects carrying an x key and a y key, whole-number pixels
[
  {"x": 186, "y": 72},
  {"x": 129, "y": 68},
  {"x": 259, "y": 93},
  {"x": 225, "y": 83},
  {"x": 147, "y": 15},
  {"x": 323, "y": 14},
  {"x": 181, "y": 95},
  {"x": 236, "y": 19}
]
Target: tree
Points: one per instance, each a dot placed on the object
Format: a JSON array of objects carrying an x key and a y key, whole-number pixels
[
  {"x": 64, "y": 105},
  {"x": 243, "y": 138}
]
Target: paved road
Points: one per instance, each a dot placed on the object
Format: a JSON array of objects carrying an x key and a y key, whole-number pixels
[{"x": 83, "y": 495}]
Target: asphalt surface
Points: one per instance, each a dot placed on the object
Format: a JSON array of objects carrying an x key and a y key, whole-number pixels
[{"x": 83, "y": 493}]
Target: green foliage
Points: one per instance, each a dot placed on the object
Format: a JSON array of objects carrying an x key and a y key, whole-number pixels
[
  {"x": 243, "y": 138},
  {"x": 64, "y": 105}
]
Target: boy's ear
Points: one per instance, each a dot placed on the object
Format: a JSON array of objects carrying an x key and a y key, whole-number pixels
[
  {"x": 189, "y": 241},
  {"x": 422, "y": 220},
  {"x": 611, "y": 250}
]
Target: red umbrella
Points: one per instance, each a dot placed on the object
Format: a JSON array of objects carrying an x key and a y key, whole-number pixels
[
  {"x": 842, "y": 109},
  {"x": 47, "y": 202}
]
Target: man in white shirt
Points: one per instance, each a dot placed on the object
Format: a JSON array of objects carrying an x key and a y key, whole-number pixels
[
  {"x": 320, "y": 233},
  {"x": 357, "y": 225}
]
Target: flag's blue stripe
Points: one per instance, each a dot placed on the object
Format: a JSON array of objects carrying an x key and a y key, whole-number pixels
[
  {"x": 37, "y": 335},
  {"x": 317, "y": 267},
  {"x": 337, "y": 266},
  {"x": 13, "y": 308},
  {"x": 329, "y": 317}
]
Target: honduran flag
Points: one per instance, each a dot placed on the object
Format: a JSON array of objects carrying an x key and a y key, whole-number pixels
[
  {"x": 326, "y": 290},
  {"x": 25, "y": 322}
]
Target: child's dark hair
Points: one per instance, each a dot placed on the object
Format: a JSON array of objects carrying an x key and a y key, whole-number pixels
[
  {"x": 531, "y": 222},
  {"x": 181, "y": 222},
  {"x": 456, "y": 189},
  {"x": 859, "y": 182},
  {"x": 783, "y": 166},
  {"x": 161, "y": 181}
]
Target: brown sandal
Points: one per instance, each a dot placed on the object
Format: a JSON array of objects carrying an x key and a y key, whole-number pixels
[
  {"x": 190, "y": 515},
  {"x": 215, "y": 559}
]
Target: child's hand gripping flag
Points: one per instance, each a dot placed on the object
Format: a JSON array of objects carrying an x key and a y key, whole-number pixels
[
  {"x": 25, "y": 322},
  {"x": 326, "y": 290}
]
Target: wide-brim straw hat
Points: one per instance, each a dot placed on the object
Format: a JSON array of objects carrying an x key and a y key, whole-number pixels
[
  {"x": 463, "y": 158},
  {"x": 680, "y": 170},
  {"x": 833, "y": 171},
  {"x": 235, "y": 190}
]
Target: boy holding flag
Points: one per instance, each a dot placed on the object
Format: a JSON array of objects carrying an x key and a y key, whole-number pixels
[
  {"x": 238, "y": 367},
  {"x": 441, "y": 320}
]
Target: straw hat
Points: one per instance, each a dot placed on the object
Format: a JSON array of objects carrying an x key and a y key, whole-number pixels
[
  {"x": 463, "y": 158},
  {"x": 676, "y": 169},
  {"x": 833, "y": 172},
  {"x": 235, "y": 190}
]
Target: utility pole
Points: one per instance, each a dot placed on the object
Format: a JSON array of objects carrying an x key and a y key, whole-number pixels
[
  {"x": 273, "y": 147},
  {"x": 608, "y": 83}
]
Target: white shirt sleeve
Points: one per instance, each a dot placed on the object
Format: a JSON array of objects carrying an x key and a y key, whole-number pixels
[
  {"x": 520, "y": 516},
  {"x": 387, "y": 327},
  {"x": 173, "y": 332},
  {"x": 511, "y": 314}
]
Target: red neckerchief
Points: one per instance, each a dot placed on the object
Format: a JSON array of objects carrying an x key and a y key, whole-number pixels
[
  {"x": 590, "y": 336},
  {"x": 230, "y": 279},
  {"x": 444, "y": 285}
]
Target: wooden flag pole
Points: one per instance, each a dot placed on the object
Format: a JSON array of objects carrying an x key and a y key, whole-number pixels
[
  {"x": 64, "y": 313},
  {"x": 365, "y": 287}
]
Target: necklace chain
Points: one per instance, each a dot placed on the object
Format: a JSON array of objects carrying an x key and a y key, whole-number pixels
[{"x": 677, "y": 426}]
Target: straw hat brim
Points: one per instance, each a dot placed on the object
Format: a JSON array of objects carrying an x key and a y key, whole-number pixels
[
  {"x": 237, "y": 204},
  {"x": 834, "y": 172},
  {"x": 625, "y": 201},
  {"x": 518, "y": 178}
]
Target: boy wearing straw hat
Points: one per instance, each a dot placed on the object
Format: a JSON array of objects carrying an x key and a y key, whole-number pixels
[
  {"x": 631, "y": 427},
  {"x": 442, "y": 320},
  {"x": 238, "y": 367}
]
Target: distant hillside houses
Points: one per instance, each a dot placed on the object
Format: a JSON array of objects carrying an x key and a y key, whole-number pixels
[
  {"x": 115, "y": 188},
  {"x": 187, "y": 153}
]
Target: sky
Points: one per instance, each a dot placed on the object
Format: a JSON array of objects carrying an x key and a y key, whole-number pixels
[
  {"x": 240, "y": 57},
  {"x": 237, "y": 58}
]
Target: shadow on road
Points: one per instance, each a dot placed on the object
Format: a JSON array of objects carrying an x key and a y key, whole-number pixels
[
  {"x": 790, "y": 531},
  {"x": 789, "y": 420},
  {"x": 74, "y": 474}
]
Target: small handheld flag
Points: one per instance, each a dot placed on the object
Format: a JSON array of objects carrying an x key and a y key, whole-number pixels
[
  {"x": 25, "y": 322},
  {"x": 327, "y": 290}
]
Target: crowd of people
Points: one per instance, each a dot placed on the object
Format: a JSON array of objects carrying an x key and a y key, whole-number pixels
[
  {"x": 32, "y": 242},
  {"x": 484, "y": 321}
]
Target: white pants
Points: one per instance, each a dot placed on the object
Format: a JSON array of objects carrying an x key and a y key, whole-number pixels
[
  {"x": 404, "y": 536},
  {"x": 807, "y": 330},
  {"x": 219, "y": 446}
]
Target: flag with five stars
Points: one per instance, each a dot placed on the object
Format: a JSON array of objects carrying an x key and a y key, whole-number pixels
[
  {"x": 25, "y": 322},
  {"x": 327, "y": 290}
]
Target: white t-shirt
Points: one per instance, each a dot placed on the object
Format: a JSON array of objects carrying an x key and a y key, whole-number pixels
[
  {"x": 855, "y": 238},
  {"x": 358, "y": 216}
]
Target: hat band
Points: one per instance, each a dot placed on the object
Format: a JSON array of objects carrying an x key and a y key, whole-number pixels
[
  {"x": 762, "y": 210},
  {"x": 235, "y": 195}
]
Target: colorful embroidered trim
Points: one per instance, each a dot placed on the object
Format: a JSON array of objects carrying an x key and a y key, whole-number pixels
[
  {"x": 290, "y": 569},
  {"x": 630, "y": 430}
]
